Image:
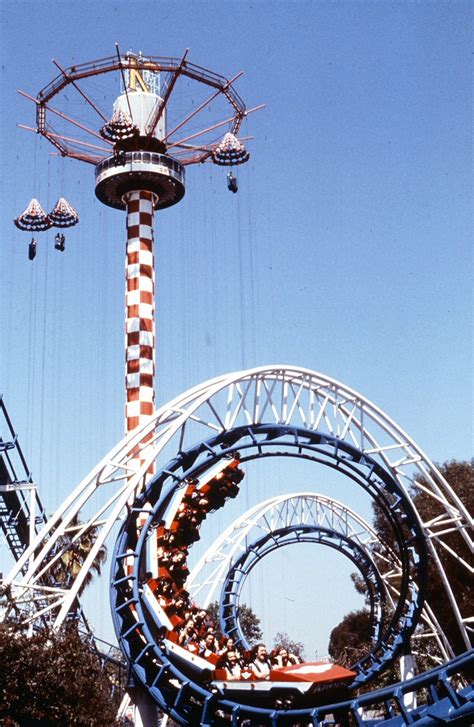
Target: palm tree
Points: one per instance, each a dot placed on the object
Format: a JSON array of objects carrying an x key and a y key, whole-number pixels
[{"x": 73, "y": 554}]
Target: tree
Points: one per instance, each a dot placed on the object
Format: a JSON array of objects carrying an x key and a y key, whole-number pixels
[
  {"x": 350, "y": 640},
  {"x": 249, "y": 622},
  {"x": 52, "y": 680},
  {"x": 283, "y": 641}
]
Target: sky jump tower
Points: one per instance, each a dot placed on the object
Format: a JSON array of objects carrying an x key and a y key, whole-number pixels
[
  {"x": 140, "y": 154},
  {"x": 139, "y": 177}
]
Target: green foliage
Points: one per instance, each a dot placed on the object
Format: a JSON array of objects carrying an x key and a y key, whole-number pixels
[
  {"x": 350, "y": 640},
  {"x": 52, "y": 680},
  {"x": 282, "y": 640},
  {"x": 249, "y": 622}
]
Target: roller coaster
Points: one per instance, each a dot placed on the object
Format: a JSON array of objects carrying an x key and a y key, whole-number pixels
[
  {"x": 204, "y": 443},
  {"x": 186, "y": 462}
]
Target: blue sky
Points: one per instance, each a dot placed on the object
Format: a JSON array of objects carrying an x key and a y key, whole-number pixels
[{"x": 347, "y": 249}]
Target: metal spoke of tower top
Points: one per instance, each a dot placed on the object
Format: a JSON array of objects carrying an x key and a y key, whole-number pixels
[
  {"x": 202, "y": 147},
  {"x": 185, "y": 148},
  {"x": 201, "y": 107},
  {"x": 123, "y": 79},
  {"x": 72, "y": 153},
  {"x": 200, "y": 133},
  {"x": 197, "y": 158},
  {"x": 206, "y": 150},
  {"x": 88, "y": 159},
  {"x": 85, "y": 128},
  {"x": 41, "y": 124},
  {"x": 83, "y": 94},
  {"x": 65, "y": 138},
  {"x": 214, "y": 126},
  {"x": 159, "y": 113}
]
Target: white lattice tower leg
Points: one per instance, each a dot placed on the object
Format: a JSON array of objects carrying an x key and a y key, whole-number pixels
[{"x": 140, "y": 314}]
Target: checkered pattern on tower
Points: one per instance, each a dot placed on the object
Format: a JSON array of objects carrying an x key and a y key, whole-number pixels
[{"x": 139, "y": 300}]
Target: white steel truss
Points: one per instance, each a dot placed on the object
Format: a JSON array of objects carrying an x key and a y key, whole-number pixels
[{"x": 280, "y": 394}]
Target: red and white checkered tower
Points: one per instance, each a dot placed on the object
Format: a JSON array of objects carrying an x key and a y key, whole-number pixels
[{"x": 139, "y": 166}]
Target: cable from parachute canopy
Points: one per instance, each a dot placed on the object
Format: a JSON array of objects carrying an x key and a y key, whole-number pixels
[
  {"x": 58, "y": 357},
  {"x": 31, "y": 417},
  {"x": 45, "y": 343}
]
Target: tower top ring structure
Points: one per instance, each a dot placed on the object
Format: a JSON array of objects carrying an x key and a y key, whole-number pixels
[
  {"x": 149, "y": 139},
  {"x": 158, "y": 109}
]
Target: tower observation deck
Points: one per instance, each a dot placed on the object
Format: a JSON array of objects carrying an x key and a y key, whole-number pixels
[{"x": 156, "y": 173}]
